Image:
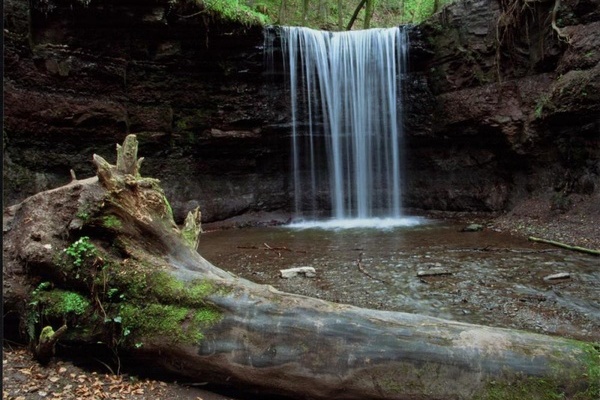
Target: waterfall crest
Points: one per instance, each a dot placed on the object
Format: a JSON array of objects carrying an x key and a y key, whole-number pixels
[{"x": 346, "y": 113}]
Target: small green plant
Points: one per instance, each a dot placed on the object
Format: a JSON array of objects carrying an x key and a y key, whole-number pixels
[
  {"x": 35, "y": 295},
  {"x": 42, "y": 286},
  {"x": 111, "y": 222},
  {"x": 83, "y": 215},
  {"x": 80, "y": 250},
  {"x": 33, "y": 316},
  {"x": 111, "y": 292}
]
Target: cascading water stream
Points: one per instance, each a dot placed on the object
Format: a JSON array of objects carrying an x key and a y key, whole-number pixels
[{"x": 346, "y": 121}]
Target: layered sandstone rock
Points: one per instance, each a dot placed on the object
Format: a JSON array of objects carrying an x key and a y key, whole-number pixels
[{"x": 487, "y": 125}]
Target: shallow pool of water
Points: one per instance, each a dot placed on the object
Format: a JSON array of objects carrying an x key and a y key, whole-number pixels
[{"x": 482, "y": 277}]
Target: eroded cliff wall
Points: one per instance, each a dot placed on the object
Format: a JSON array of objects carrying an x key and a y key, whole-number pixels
[
  {"x": 79, "y": 78},
  {"x": 498, "y": 108}
]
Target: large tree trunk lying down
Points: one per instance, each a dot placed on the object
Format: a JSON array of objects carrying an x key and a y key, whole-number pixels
[{"x": 104, "y": 255}]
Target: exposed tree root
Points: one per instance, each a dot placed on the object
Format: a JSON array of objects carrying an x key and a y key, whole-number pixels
[{"x": 559, "y": 32}]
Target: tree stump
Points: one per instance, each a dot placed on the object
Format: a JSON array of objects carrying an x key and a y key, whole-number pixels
[{"x": 45, "y": 348}]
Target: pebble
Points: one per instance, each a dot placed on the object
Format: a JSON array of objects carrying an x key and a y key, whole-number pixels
[{"x": 560, "y": 275}]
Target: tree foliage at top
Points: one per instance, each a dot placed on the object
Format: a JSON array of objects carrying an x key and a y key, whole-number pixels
[
  {"x": 318, "y": 14},
  {"x": 326, "y": 14}
]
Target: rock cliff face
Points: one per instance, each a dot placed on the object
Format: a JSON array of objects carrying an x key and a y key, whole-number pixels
[
  {"x": 79, "y": 78},
  {"x": 487, "y": 125},
  {"x": 500, "y": 109}
]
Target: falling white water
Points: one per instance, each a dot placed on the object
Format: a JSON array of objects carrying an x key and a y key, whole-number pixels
[{"x": 346, "y": 114}]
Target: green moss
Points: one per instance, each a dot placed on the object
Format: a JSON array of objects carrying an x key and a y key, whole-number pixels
[
  {"x": 46, "y": 334},
  {"x": 526, "y": 388},
  {"x": 572, "y": 383},
  {"x": 392, "y": 384},
  {"x": 174, "y": 323},
  {"x": 166, "y": 289},
  {"x": 192, "y": 120},
  {"x": 59, "y": 303},
  {"x": 206, "y": 317},
  {"x": 111, "y": 222},
  {"x": 146, "y": 304},
  {"x": 591, "y": 358},
  {"x": 190, "y": 238},
  {"x": 235, "y": 11},
  {"x": 200, "y": 289},
  {"x": 167, "y": 214}
]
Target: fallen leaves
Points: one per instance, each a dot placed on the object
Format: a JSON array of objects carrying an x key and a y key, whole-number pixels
[{"x": 25, "y": 380}]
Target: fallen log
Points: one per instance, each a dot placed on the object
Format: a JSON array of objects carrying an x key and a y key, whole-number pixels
[
  {"x": 137, "y": 285},
  {"x": 566, "y": 246}
]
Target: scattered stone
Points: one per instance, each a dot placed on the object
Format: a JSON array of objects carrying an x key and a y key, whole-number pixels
[
  {"x": 560, "y": 275},
  {"x": 532, "y": 297},
  {"x": 472, "y": 228},
  {"x": 308, "y": 272}
]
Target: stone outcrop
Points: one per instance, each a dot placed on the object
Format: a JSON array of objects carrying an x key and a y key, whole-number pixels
[
  {"x": 500, "y": 109},
  {"x": 487, "y": 124},
  {"x": 80, "y": 78}
]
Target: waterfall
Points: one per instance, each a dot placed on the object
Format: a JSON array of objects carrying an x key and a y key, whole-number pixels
[{"x": 346, "y": 120}]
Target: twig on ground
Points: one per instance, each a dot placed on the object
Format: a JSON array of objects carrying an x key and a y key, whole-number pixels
[{"x": 364, "y": 271}]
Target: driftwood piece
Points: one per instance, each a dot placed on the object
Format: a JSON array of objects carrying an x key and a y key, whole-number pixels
[
  {"x": 186, "y": 316},
  {"x": 566, "y": 246}
]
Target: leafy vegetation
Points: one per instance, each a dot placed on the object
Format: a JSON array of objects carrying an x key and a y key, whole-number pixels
[
  {"x": 60, "y": 303},
  {"x": 80, "y": 250},
  {"x": 111, "y": 222},
  {"x": 235, "y": 10},
  {"x": 323, "y": 14},
  {"x": 318, "y": 14}
]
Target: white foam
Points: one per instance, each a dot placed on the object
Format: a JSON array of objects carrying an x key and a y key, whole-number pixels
[{"x": 354, "y": 223}]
